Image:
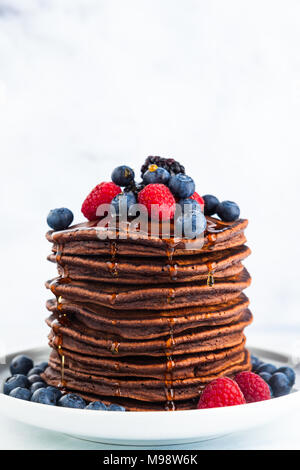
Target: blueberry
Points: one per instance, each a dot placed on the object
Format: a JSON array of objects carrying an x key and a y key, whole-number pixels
[
  {"x": 123, "y": 201},
  {"x": 72, "y": 401},
  {"x": 228, "y": 211},
  {"x": 114, "y": 407},
  {"x": 15, "y": 381},
  {"x": 56, "y": 392},
  {"x": 21, "y": 393},
  {"x": 35, "y": 371},
  {"x": 156, "y": 175},
  {"x": 60, "y": 219},
  {"x": 289, "y": 372},
  {"x": 280, "y": 384},
  {"x": 34, "y": 378},
  {"x": 256, "y": 362},
  {"x": 182, "y": 185},
  {"x": 44, "y": 396},
  {"x": 96, "y": 405},
  {"x": 210, "y": 204},
  {"x": 270, "y": 368},
  {"x": 36, "y": 385},
  {"x": 265, "y": 376},
  {"x": 188, "y": 204},
  {"x": 122, "y": 175},
  {"x": 21, "y": 365},
  {"x": 42, "y": 365},
  {"x": 190, "y": 225}
]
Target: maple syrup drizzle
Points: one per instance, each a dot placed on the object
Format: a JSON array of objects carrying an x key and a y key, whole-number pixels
[
  {"x": 210, "y": 277},
  {"x": 170, "y": 364},
  {"x": 112, "y": 264},
  {"x": 171, "y": 265},
  {"x": 115, "y": 347},
  {"x": 171, "y": 295}
]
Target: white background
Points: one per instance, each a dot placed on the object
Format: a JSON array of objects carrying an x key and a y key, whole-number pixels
[{"x": 88, "y": 85}]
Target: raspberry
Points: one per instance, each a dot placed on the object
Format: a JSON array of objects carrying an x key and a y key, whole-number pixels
[
  {"x": 103, "y": 193},
  {"x": 221, "y": 392},
  {"x": 253, "y": 387},
  {"x": 163, "y": 199},
  {"x": 199, "y": 199}
]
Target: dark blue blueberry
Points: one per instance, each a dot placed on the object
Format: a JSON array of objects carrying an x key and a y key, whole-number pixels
[
  {"x": 44, "y": 396},
  {"x": 72, "y": 401},
  {"x": 18, "y": 380},
  {"x": 114, "y": 407},
  {"x": 279, "y": 384},
  {"x": 122, "y": 175},
  {"x": 211, "y": 204},
  {"x": 56, "y": 392},
  {"x": 123, "y": 201},
  {"x": 270, "y": 368},
  {"x": 228, "y": 211},
  {"x": 289, "y": 372},
  {"x": 256, "y": 362},
  {"x": 34, "y": 378},
  {"x": 96, "y": 405},
  {"x": 42, "y": 365},
  {"x": 21, "y": 365},
  {"x": 36, "y": 385},
  {"x": 60, "y": 219},
  {"x": 188, "y": 205},
  {"x": 190, "y": 225},
  {"x": 182, "y": 186},
  {"x": 21, "y": 393},
  {"x": 35, "y": 371},
  {"x": 265, "y": 376},
  {"x": 156, "y": 175}
]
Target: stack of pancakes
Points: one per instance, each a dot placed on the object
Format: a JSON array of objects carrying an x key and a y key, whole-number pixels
[{"x": 147, "y": 322}]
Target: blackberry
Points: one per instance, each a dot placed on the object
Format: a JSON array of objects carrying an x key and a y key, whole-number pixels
[
  {"x": 168, "y": 164},
  {"x": 134, "y": 187}
]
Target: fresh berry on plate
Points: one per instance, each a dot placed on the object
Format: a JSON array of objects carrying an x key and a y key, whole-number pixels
[
  {"x": 123, "y": 201},
  {"x": 21, "y": 365},
  {"x": 265, "y": 367},
  {"x": 280, "y": 384},
  {"x": 36, "y": 385},
  {"x": 255, "y": 362},
  {"x": 156, "y": 174},
  {"x": 228, "y": 211},
  {"x": 122, "y": 175},
  {"x": 265, "y": 376},
  {"x": 60, "y": 219},
  {"x": 181, "y": 186},
  {"x": 253, "y": 387},
  {"x": 221, "y": 392},
  {"x": 71, "y": 400},
  {"x": 21, "y": 393},
  {"x": 18, "y": 380},
  {"x": 103, "y": 193},
  {"x": 44, "y": 396},
  {"x": 199, "y": 199},
  {"x": 34, "y": 378},
  {"x": 158, "y": 200},
  {"x": 42, "y": 365},
  {"x": 96, "y": 405},
  {"x": 190, "y": 224},
  {"x": 168, "y": 164},
  {"x": 289, "y": 372},
  {"x": 210, "y": 204},
  {"x": 57, "y": 393},
  {"x": 114, "y": 407},
  {"x": 36, "y": 370}
]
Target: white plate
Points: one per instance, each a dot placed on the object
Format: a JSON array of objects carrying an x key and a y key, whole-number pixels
[{"x": 148, "y": 428}]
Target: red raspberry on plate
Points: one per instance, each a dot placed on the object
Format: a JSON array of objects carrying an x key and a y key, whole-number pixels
[
  {"x": 103, "y": 193},
  {"x": 199, "y": 199},
  {"x": 254, "y": 388},
  {"x": 158, "y": 200},
  {"x": 221, "y": 392}
]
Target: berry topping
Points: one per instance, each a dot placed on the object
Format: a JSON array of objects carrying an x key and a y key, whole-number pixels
[
  {"x": 266, "y": 368},
  {"x": 289, "y": 372},
  {"x": 123, "y": 201},
  {"x": 96, "y": 405},
  {"x": 15, "y": 381},
  {"x": 168, "y": 164},
  {"x": 60, "y": 219},
  {"x": 44, "y": 396},
  {"x": 103, "y": 193},
  {"x": 254, "y": 388},
  {"x": 114, "y": 407},
  {"x": 189, "y": 204},
  {"x": 122, "y": 175},
  {"x": 21, "y": 365},
  {"x": 21, "y": 393},
  {"x": 199, "y": 199},
  {"x": 156, "y": 174},
  {"x": 158, "y": 200},
  {"x": 221, "y": 392},
  {"x": 211, "y": 204},
  {"x": 280, "y": 384},
  {"x": 190, "y": 224},
  {"x": 182, "y": 185},
  {"x": 228, "y": 211},
  {"x": 36, "y": 386},
  {"x": 71, "y": 400}
]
